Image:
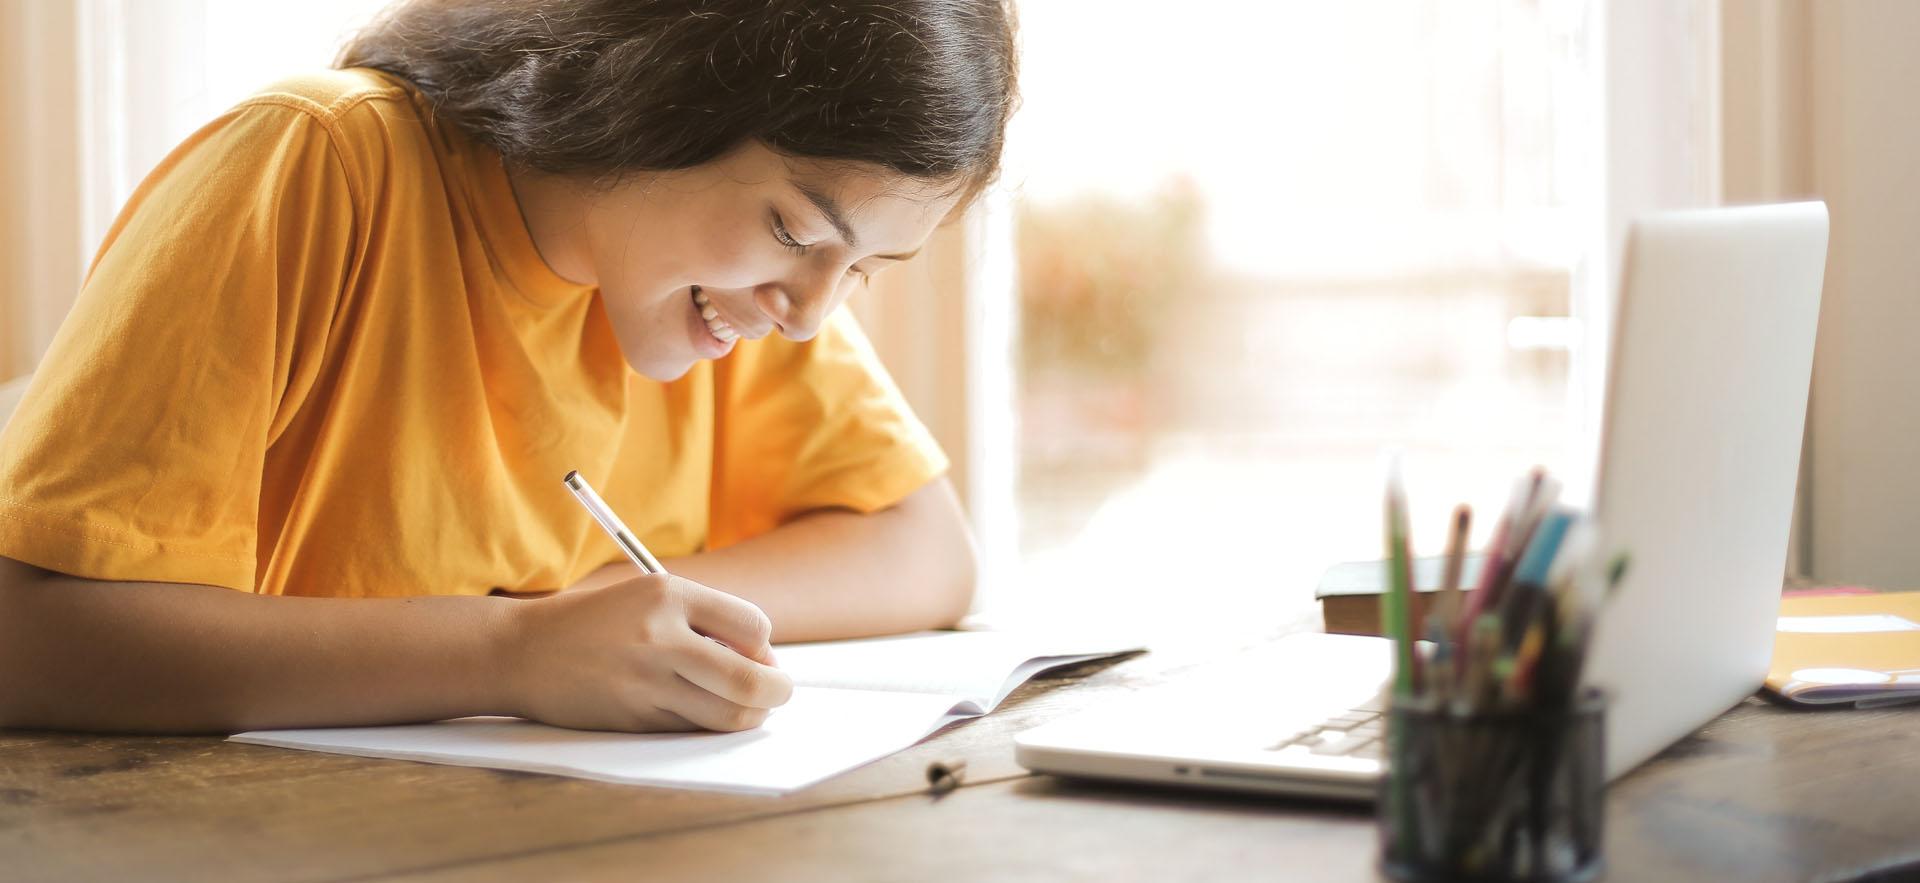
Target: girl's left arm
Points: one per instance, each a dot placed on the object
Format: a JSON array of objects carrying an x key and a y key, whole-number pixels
[{"x": 841, "y": 574}]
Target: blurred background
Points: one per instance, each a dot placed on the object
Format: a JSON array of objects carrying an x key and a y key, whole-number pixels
[
  {"x": 1238, "y": 251},
  {"x": 1251, "y": 257}
]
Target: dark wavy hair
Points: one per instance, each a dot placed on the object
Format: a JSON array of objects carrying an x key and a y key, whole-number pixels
[{"x": 606, "y": 88}]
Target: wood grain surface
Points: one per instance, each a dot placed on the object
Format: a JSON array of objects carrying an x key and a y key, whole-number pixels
[{"x": 1762, "y": 793}]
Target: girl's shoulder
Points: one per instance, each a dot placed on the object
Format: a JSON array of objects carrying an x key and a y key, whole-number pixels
[
  {"x": 361, "y": 110},
  {"x": 332, "y": 95},
  {"x": 376, "y": 124}
]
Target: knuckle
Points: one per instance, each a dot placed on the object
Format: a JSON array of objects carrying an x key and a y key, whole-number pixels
[
  {"x": 650, "y": 629},
  {"x": 743, "y": 718},
  {"x": 659, "y": 615},
  {"x": 755, "y": 624},
  {"x": 648, "y": 588},
  {"x": 746, "y": 683},
  {"x": 658, "y": 586}
]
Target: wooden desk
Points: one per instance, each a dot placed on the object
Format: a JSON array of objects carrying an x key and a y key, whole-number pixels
[{"x": 1762, "y": 793}]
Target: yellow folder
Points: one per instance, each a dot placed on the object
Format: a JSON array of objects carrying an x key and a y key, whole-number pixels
[{"x": 1858, "y": 648}]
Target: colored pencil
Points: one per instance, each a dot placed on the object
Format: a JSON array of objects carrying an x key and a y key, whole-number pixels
[{"x": 1397, "y": 608}]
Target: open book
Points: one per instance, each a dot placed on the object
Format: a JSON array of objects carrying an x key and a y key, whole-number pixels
[{"x": 854, "y": 702}]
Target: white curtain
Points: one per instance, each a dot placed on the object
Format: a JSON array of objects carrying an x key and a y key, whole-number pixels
[{"x": 97, "y": 92}]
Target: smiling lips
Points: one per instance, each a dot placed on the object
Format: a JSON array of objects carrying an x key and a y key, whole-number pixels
[{"x": 721, "y": 330}]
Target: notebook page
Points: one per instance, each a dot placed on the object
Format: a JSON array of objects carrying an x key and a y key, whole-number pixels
[
  {"x": 982, "y": 667},
  {"x": 854, "y": 702},
  {"x": 819, "y": 733}
]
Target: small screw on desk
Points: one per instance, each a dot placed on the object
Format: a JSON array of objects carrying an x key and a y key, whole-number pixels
[{"x": 943, "y": 777}]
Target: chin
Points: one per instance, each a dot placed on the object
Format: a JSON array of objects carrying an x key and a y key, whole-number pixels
[{"x": 663, "y": 370}]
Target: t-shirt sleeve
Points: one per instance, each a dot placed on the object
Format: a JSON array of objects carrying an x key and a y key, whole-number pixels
[
  {"x": 138, "y": 450},
  {"x": 806, "y": 426}
]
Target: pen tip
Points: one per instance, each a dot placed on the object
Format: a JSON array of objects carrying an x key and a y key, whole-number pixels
[{"x": 568, "y": 478}]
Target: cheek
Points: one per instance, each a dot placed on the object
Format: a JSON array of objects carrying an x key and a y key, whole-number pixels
[
  {"x": 732, "y": 268},
  {"x": 731, "y": 254},
  {"x": 641, "y": 322}
]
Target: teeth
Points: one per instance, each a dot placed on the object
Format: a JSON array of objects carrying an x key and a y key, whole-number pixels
[{"x": 721, "y": 330}]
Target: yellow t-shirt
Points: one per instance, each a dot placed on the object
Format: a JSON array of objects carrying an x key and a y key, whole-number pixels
[{"x": 319, "y": 354}]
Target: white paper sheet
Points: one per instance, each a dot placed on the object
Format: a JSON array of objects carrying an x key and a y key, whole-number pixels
[
  {"x": 819, "y": 733},
  {"x": 980, "y": 666},
  {"x": 913, "y": 685},
  {"x": 1847, "y": 624}
]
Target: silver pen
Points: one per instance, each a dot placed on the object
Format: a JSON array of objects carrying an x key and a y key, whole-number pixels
[{"x": 622, "y": 537}]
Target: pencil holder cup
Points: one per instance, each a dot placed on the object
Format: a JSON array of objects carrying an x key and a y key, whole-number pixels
[{"x": 1507, "y": 795}]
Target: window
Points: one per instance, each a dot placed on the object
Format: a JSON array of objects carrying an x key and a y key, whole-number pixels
[
  {"x": 153, "y": 71},
  {"x": 1260, "y": 243}
]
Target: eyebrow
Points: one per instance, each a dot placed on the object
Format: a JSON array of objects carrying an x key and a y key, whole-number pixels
[{"x": 831, "y": 209}]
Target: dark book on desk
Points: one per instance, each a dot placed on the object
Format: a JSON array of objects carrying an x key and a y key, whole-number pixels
[{"x": 1349, "y": 592}]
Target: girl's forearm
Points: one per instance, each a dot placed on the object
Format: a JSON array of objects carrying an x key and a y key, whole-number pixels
[
  {"x": 168, "y": 658},
  {"x": 839, "y": 574},
  {"x": 159, "y": 657}
]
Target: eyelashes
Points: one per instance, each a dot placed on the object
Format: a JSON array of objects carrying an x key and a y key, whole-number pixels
[{"x": 786, "y": 240}]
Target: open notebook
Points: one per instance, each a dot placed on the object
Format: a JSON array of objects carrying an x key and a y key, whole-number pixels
[{"x": 854, "y": 702}]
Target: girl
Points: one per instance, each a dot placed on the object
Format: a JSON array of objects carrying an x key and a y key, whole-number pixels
[{"x": 294, "y": 459}]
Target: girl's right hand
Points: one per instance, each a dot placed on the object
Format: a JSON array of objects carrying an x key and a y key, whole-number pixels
[{"x": 654, "y": 653}]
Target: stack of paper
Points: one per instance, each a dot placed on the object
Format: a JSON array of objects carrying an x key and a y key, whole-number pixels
[{"x": 854, "y": 702}]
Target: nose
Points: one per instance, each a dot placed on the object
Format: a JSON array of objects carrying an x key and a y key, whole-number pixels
[{"x": 799, "y": 307}]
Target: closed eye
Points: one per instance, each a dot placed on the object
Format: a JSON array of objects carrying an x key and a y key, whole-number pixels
[{"x": 785, "y": 238}]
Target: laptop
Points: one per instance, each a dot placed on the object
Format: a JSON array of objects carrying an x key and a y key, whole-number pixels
[{"x": 1699, "y": 452}]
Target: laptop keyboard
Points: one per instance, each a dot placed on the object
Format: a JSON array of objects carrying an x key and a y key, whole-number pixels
[{"x": 1355, "y": 732}]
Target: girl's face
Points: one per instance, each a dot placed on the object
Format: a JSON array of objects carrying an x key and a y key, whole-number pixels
[{"x": 751, "y": 244}]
